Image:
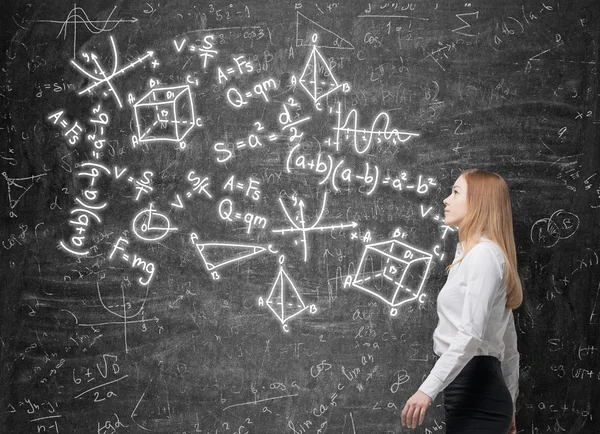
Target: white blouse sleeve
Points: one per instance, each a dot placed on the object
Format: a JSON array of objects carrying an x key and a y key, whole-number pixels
[
  {"x": 484, "y": 276},
  {"x": 510, "y": 364}
]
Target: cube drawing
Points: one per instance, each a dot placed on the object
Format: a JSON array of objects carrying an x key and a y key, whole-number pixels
[
  {"x": 392, "y": 271},
  {"x": 165, "y": 114}
]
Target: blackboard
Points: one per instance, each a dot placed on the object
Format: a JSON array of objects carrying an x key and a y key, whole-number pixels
[{"x": 224, "y": 217}]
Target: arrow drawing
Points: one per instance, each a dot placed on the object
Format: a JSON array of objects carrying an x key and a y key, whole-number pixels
[
  {"x": 99, "y": 76},
  {"x": 301, "y": 225}
]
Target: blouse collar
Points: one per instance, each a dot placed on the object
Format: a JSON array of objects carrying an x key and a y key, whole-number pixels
[{"x": 460, "y": 250}]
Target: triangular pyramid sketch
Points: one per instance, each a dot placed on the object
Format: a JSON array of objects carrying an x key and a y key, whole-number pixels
[
  {"x": 216, "y": 255},
  {"x": 20, "y": 186},
  {"x": 305, "y": 28},
  {"x": 317, "y": 78},
  {"x": 284, "y": 300}
]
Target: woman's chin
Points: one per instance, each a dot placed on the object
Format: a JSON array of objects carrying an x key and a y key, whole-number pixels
[{"x": 450, "y": 222}]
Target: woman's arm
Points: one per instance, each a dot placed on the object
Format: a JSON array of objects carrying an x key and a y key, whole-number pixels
[
  {"x": 484, "y": 275},
  {"x": 510, "y": 364}
]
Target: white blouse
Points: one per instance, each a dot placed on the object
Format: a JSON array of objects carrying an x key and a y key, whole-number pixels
[{"x": 474, "y": 320}]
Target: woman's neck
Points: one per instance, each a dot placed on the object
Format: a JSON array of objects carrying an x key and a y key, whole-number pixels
[{"x": 469, "y": 243}]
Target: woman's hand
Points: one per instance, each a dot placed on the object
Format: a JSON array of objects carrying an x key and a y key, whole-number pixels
[
  {"x": 513, "y": 426},
  {"x": 415, "y": 408}
]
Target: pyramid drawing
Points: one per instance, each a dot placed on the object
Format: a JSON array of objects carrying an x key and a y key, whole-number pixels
[
  {"x": 317, "y": 78},
  {"x": 284, "y": 300}
]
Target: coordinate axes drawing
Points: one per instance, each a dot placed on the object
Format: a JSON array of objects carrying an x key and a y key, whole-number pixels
[
  {"x": 99, "y": 75},
  {"x": 79, "y": 17},
  {"x": 362, "y": 139},
  {"x": 124, "y": 310},
  {"x": 302, "y": 227}
]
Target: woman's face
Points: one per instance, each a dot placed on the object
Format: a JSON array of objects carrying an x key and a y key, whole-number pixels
[{"x": 456, "y": 203}]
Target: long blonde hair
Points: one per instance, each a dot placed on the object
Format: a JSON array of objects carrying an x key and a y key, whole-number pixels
[{"x": 489, "y": 213}]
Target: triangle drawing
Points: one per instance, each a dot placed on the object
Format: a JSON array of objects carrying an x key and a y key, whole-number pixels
[
  {"x": 306, "y": 28},
  {"x": 23, "y": 184},
  {"x": 216, "y": 255}
]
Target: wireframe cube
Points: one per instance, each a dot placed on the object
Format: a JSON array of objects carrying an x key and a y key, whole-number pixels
[
  {"x": 392, "y": 271},
  {"x": 165, "y": 114}
]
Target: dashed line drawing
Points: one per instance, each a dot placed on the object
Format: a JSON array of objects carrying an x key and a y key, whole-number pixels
[
  {"x": 284, "y": 300},
  {"x": 333, "y": 39},
  {"x": 216, "y": 255},
  {"x": 351, "y": 131},
  {"x": 24, "y": 184},
  {"x": 301, "y": 225},
  {"x": 393, "y": 272},
  {"x": 99, "y": 76},
  {"x": 317, "y": 78},
  {"x": 165, "y": 114},
  {"x": 548, "y": 231},
  {"x": 78, "y": 16}
]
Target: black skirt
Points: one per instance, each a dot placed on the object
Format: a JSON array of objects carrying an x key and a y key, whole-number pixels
[{"x": 478, "y": 401}]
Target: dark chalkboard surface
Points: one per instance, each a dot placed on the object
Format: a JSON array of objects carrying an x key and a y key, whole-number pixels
[{"x": 224, "y": 217}]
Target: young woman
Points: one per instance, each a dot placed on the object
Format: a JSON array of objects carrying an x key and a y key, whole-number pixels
[{"x": 478, "y": 367}]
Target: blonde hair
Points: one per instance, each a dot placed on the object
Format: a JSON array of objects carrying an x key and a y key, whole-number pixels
[{"x": 489, "y": 213}]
